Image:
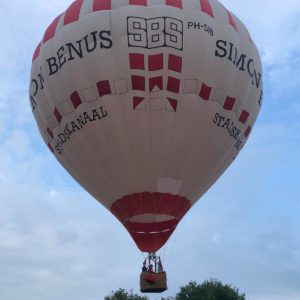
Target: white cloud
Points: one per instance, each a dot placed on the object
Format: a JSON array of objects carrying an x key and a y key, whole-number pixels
[
  {"x": 275, "y": 28},
  {"x": 52, "y": 249}
]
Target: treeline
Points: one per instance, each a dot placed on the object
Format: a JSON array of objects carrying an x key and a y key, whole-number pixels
[{"x": 209, "y": 290}]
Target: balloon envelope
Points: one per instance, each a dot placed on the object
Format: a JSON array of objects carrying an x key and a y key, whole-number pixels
[{"x": 146, "y": 103}]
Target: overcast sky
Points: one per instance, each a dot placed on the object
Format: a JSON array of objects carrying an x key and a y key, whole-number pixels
[{"x": 57, "y": 243}]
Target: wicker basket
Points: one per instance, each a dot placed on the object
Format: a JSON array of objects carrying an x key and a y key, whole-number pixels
[{"x": 153, "y": 282}]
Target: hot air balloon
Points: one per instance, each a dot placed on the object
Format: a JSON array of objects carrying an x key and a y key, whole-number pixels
[{"x": 146, "y": 103}]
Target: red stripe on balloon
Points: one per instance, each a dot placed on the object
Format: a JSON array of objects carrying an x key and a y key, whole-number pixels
[
  {"x": 156, "y": 82},
  {"x": 101, "y": 5},
  {"x": 205, "y": 91},
  {"x": 155, "y": 62},
  {"x": 150, "y": 236},
  {"x": 229, "y": 103},
  {"x": 247, "y": 132},
  {"x": 37, "y": 51},
  {"x": 151, "y": 227},
  {"x": 206, "y": 7},
  {"x": 57, "y": 115},
  {"x": 244, "y": 116},
  {"x": 137, "y": 61},
  {"x": 138, "y": 83},
  {"x": 175, "y": 3},
  {"x": 75, "y": 99},
  {"x": 232, "y": 21},
  {"x": 138, "y": 2},
  {"x": 137, "y": 101},
  {"x": 173, "y": 103},
  {"x": 73, "y": 12},
  {"x": 50, "y": 147},
  {"x": 50, "y": 32},
  {"x": 154, "y": 203},
  {"x": 173, "y": 84},
  {"x": 175, "y": 63},
  {"x": 151, "y": 242},
  {"x": 103, "y": 88},
  {"x": 50, "y": 132}
]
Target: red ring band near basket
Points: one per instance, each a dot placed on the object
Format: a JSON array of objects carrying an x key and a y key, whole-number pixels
[{"x": 150, "y": 237}]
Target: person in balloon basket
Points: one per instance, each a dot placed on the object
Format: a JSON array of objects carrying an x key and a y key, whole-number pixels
[
  {"x": 150, "y": 269},
  {"x": 144, "y": 268}
]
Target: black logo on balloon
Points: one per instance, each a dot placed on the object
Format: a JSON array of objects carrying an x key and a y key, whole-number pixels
[{"x": 155, "y": 32}]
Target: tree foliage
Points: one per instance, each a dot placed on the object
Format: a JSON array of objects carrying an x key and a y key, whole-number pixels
[
  {"x": 121, "y": 294},
  {"x": 209, "y": 290}
]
